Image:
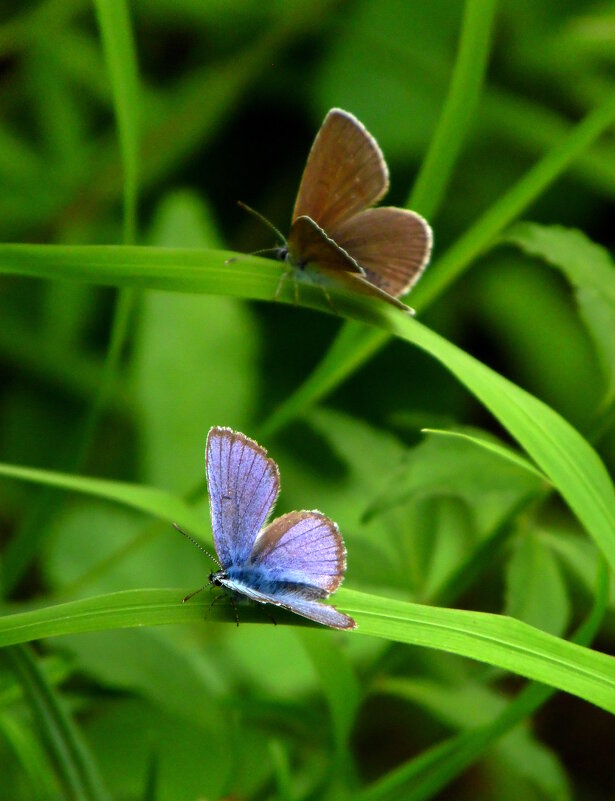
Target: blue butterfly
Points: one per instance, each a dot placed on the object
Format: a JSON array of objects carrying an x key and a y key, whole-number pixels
[{"x": 295, "y": 561}]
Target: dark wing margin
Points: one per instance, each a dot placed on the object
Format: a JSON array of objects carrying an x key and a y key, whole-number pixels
[
  {"x": 344, "y": 174},
  {"x": 243, "y": 484}
]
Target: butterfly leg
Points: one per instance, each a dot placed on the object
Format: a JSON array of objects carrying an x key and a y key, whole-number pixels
[
  {"x": 284, "y": 277},
  {"x": 332, "y": 305},
  {"x": 271, "y": 617},
  {"x": 209, "y": 608},
  {"x": 234, "y": 605}
]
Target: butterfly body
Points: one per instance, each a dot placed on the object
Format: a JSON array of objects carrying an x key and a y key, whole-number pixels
[{"x": 295, "y": 562}]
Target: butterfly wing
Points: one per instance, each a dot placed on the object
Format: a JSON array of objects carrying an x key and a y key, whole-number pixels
[
  {"x": 392, "y": 246},
  {"x": 243, "y": 484},
  {"x": 303, "y": 548},
  {"x": 309, "y": 244},
  {"x": 306, "y": 607},
  {"x": 344, "y": 174}
]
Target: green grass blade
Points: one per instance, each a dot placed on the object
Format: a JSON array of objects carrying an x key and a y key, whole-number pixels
[
  {"x": 459, "y": 110},
  {"x": 496, "y": 640},
  {"x": 512, "y": 204},
  {"x": 568, "y": 460},
  {"x": 119, "y": 49},
  {"x": 150, "y": 500},
  {"x": 30, "y": 755},
  {"x": 78, "y": 771},
  {"x": 503, "y": 451},
  {"x": 121, "y": 63},
  {"x": 118, "y": 46}
]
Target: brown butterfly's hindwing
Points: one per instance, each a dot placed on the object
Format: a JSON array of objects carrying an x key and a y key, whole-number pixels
[
  {"x": 392, "y": 245},
  {"x": 328, "y": 259}
]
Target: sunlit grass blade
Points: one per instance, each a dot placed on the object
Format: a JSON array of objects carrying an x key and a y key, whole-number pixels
[
  {"x": 496, "y": 640},
  {"x": 77, "y": 769}
]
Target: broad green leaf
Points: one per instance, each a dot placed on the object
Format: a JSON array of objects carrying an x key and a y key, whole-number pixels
[
  {"x": 590, "y": 269},
  {"x": 535, "y": 589},
  {"x": 194, "y": 362},
  {"x": 189, "y": 765},
  {"x": 157, "y": 666},
  {"x": 122, "y": 550},
  {"x": 453, "y": 466}
]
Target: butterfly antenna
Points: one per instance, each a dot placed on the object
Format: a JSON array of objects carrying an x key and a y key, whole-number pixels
[
  {"x": 264, "y": 250},
  {"x": 198, "y": 545},
  {"x": 264, "y": 220}
]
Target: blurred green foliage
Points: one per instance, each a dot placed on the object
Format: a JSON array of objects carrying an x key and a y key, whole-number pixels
[{"x": 223, "y": 104}]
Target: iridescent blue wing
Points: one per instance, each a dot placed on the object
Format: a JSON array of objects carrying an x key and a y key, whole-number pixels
[
  {"x": 302, "y": 548},
  {"x": 243, "y": 485},
  {"x": 297, "y": 602}
]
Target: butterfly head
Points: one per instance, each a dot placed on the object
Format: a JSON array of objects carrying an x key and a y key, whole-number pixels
[{"x": 218, "y": 578}]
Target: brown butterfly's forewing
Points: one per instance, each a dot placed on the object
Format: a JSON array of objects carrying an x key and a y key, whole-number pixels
[
  {"x": 344, "y": 174},
  {"x": 332, "y": 261},
  {"x": 392, "y": 246}
]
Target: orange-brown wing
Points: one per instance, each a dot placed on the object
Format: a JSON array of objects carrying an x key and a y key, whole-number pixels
[
  {"x": 392, "y": 245},
  {"x": 344, "y": 174},
  {"x": 309, "y": 245}
]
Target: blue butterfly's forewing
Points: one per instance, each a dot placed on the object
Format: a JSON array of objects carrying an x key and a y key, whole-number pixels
[{"x": 243, "y": 485}]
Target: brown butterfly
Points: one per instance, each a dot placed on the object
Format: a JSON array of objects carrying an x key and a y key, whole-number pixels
[{"x": 335, "y": 234}]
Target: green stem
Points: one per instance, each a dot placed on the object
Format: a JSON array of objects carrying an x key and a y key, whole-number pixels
[
  {"x": 459, "y": 109},
  {"x": 77, "y": 770}
]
